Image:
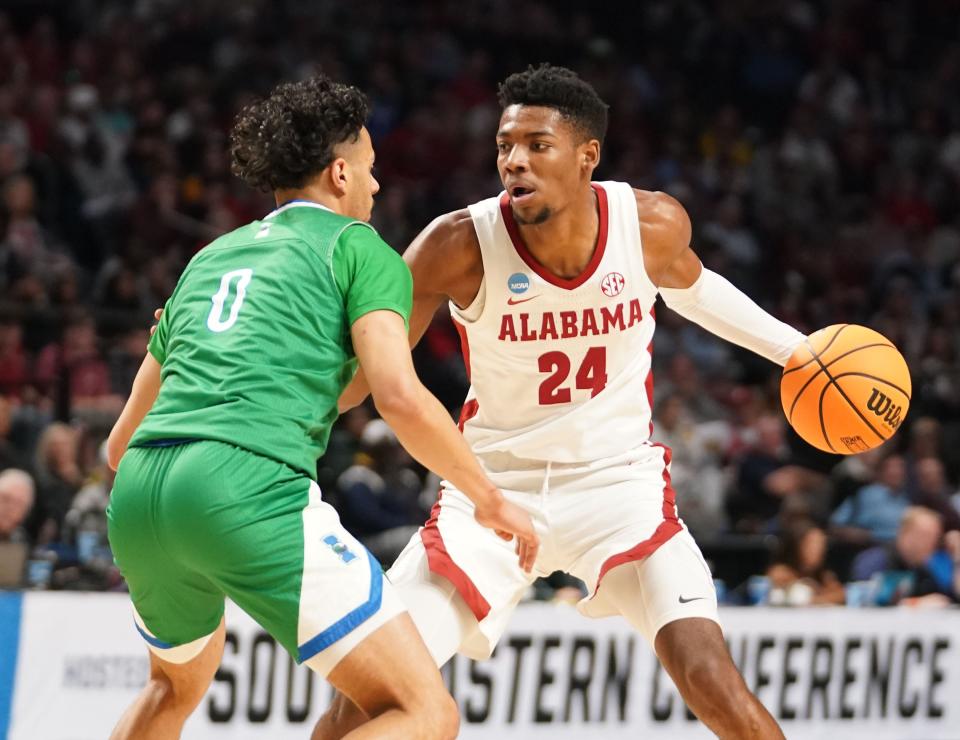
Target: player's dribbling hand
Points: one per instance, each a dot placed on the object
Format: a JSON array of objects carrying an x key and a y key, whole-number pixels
[{"x": 508, "y": 520}]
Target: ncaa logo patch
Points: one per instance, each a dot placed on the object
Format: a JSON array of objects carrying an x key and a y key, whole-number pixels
[
  {"x": 518, "y": 283},
  {"x": 612, "y": 284}
]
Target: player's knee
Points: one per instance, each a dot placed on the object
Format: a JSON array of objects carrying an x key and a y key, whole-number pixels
[
  {"x": 440, "y": 719},
  {"x": 713, "y": 678},
  {"x": 179, "y": 694},
  {"x": 166, "y": 697}
]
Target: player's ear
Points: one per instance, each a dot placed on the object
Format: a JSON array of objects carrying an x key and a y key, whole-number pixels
[
  {"x": 590, "y": 154},
  {"x": 338, "y": 175}
]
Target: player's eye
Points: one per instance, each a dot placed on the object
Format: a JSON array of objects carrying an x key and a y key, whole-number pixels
[{"x": 502, "y": 147}]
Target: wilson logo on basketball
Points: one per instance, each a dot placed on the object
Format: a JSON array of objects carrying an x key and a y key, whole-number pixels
[
  {"x": 882, "y": 406},
  {"x": 612, "y": 284}
]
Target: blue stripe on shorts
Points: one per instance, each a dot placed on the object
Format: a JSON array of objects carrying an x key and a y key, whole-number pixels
[{"x": 344, "y": 626}]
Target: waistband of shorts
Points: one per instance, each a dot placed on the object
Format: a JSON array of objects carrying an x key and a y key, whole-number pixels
[{"x": 503, "y": 463}]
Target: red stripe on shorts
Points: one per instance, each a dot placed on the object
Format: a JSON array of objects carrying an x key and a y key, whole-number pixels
[
  {"x": 438, "y": 558},
  {"x": 664, "y": 531},
  {"x": 442, "y": 564}
]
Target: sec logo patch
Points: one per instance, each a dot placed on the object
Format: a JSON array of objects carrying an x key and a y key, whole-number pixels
[{"x": 612, "y": 284}]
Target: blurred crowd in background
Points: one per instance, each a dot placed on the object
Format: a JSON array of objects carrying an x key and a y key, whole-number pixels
[{"x": 816, "y": 146}]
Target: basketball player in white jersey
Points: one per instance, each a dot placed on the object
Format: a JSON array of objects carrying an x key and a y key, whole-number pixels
[{"x": 552, "y": 285}]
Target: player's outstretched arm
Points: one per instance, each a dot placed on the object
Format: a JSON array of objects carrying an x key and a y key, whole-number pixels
[
  {"x": 146, "y": 386},
  {"x": 444, "y": 254},
  {"x": 425, "y": 429},
  {"x": 701, "y": 295}
]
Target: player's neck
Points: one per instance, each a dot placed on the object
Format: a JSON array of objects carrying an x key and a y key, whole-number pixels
[
  {"x": 312, "y": 193},
  {"x": 565, "y": 242}
]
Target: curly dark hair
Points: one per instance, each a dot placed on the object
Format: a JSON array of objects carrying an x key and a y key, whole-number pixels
[
  {"x": 283, "y": 140},
  {"x": 559, "y": 88}
]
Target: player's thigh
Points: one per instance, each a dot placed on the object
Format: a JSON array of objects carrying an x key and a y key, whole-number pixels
[
  {"x": 188, "y": 681},
  {"x": 390, "y": 668},
  {"x": 671, "y": 584},
  {"x": 452, "y": 549},
  {"x": 176, "y": 608},
  {"x": 437, "y": 609}
]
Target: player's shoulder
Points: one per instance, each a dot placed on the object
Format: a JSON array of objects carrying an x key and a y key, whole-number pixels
[
  {"x": 655, "y": 207},
  {"x": 448, "y": 241},
  {"x": 452, "y": 230},
  {"x": 664, "y": 223}
]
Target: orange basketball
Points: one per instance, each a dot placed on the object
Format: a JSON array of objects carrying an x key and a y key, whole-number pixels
[{"x": 846, "y": 389}]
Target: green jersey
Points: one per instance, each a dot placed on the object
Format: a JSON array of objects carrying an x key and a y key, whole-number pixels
[{"x": 255, "y": 341}]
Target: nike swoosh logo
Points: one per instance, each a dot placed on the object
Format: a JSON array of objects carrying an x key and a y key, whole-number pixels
[
  {"x": 514, "y": 301},
  {"x": 692, "y": 598}
]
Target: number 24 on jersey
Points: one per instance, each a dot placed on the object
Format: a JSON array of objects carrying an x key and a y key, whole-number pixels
[{"x": 592, "y": 375}]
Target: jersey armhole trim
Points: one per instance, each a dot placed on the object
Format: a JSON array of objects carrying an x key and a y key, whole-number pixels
[
  {"x": 333, "y": 247},
  {"x": 475, "y": 310},
  {"x": 636, "y": 218},
  {"x": 469, "y": 313}
]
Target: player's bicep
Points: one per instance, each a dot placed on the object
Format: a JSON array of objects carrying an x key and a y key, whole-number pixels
[
  {"x": 425, "y": 306},
  {"x": 421, "y": 258},
  {"x": 146, "y": 388},
  {"x": 381, "y": 344},
  {"x": 682, "y": 272},
  {"x": 665, "y": 232}
]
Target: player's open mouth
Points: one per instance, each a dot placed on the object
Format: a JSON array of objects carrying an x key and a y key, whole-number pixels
[{"x": 520, "y": 194}]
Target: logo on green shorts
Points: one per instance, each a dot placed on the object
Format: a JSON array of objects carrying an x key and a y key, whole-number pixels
[{"x": 334, "y": 543}]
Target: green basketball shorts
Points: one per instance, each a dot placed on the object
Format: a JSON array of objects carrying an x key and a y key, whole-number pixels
[{"x": 191, "y": 523}]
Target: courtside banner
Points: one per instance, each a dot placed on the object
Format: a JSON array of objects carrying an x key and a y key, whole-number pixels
[{"x": 826, "y": 673}]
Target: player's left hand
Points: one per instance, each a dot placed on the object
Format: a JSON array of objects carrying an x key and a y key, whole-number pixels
[
  {"x": 508, "y": 520},
  {"x": 156, "y": 314}
]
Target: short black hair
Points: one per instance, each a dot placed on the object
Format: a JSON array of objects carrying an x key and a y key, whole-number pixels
[
  {"x": 559, "y": 88},
  {"x": 283, "y": 140}
]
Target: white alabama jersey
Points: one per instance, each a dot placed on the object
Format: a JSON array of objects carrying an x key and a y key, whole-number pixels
[{"x": 560, "y": 369}]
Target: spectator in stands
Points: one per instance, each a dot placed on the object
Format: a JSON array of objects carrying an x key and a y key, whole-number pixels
[
  {"x": 378, "y": 494},
  {"x": 13, "y": 131},
  {"x": 931, "y": 491},
  {"x": 344, "y": 445},
  {"x": 873, "y": 513},
  {"x": 74, "y": 366},
  {"x": 88, "y": 509},
  {"x": 696, "y": 472},
  {"x": 10, "y": 455},
  {"x": 124, "y": 358},
  {"x": 766, "y": 478},
  {"x": 16, "y": 500},
  {"x": 683, "y": 379},
  {"x": 799, "y": 575},
  {"x": 27, "y": 249},
  {"x": 15, "y": 370},
  {"x": 58, "y": 478},
  {"x": 933, "y": 571}
]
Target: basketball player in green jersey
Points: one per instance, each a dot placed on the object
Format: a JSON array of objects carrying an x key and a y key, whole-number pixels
[{"x": 214, "y": 494}]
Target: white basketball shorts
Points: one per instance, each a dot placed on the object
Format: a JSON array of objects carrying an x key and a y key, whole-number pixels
[{"x": 591, "y": 519}]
